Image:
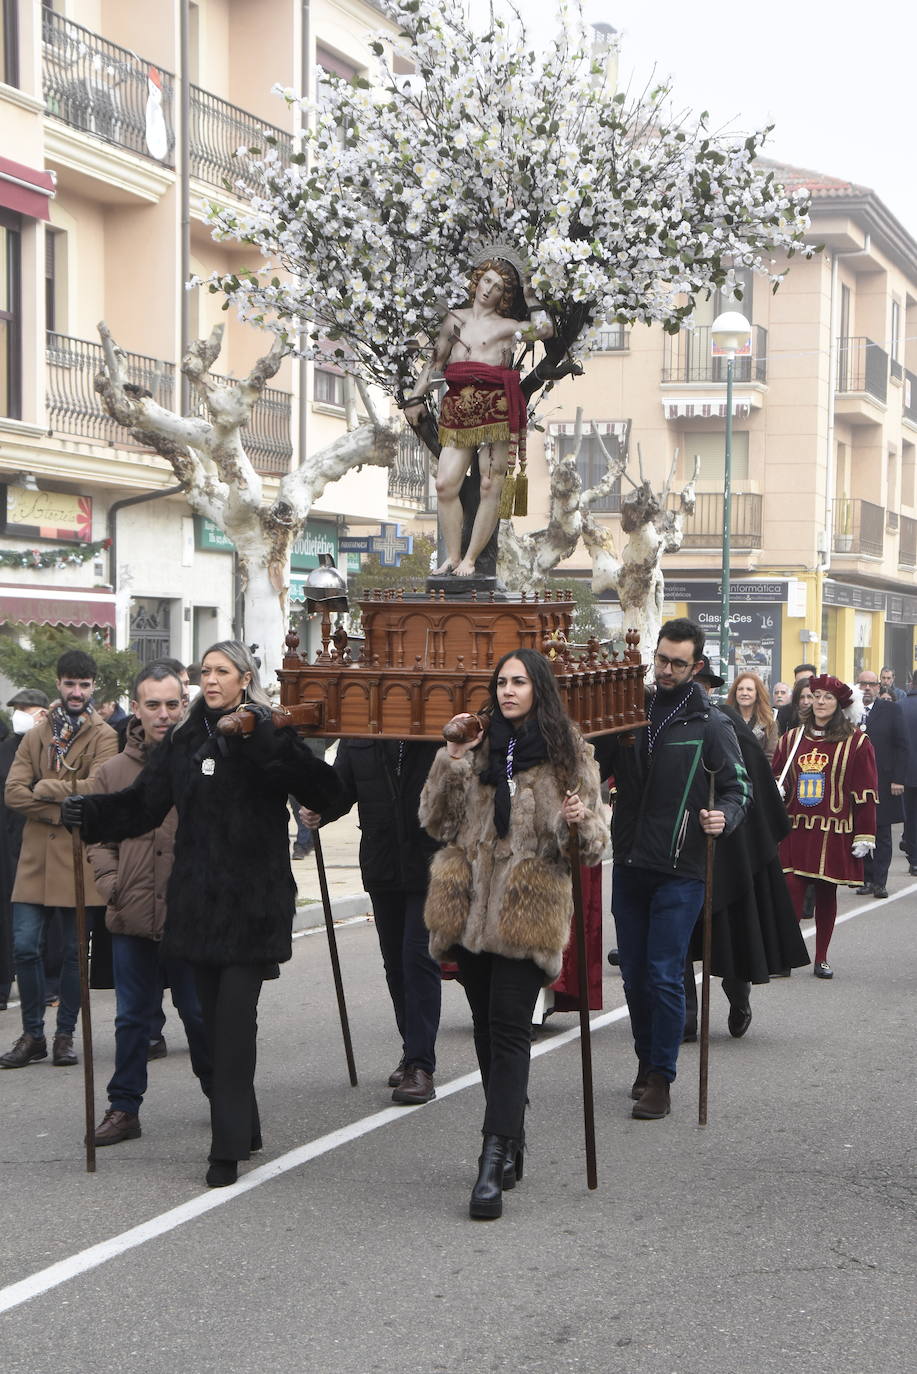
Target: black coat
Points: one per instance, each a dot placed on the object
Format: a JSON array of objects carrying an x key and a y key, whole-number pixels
[
  {"x": 886, "y": 730},
  {"x": 11, "y": 827},
  {"x": 395, "y": 852},
  {"x": 231, "y": 897},
  {"x": 909, "y": 716},
  {"x": 755, "y": 929}
]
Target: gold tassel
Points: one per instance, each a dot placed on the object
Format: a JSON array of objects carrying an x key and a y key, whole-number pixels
[
  {"x": 507, "y": 496},
  {"x": 521, "y": 498}
]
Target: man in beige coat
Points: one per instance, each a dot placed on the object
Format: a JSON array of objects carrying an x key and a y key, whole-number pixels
[{"x": 71, "y": 742}]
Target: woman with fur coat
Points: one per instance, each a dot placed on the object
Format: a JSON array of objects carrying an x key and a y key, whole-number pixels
[
  {"x": 231, "y": 895},
  {"x": 500, "y": 897}
]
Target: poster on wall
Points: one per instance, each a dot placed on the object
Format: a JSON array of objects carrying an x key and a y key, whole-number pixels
[
  {"x": 754, "y": 639},
  {"x": 48, "y": 515}
]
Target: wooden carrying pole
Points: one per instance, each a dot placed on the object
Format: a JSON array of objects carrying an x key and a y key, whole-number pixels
[
  {"x": 585, "y": 1037},
  {"x": 82, "y": 939},
  {"x": 335, "y": 961},
  {"x": 705, "y": 966}
]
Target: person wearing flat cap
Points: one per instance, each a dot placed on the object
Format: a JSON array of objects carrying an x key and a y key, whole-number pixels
[{"x": 826, "y": 769}]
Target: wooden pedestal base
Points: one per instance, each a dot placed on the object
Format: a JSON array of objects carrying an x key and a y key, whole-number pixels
[{"x": 428, "y": 658}]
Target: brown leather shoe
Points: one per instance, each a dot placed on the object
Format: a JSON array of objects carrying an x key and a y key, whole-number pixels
[
  {"x": 116, "y": 1126},
  {"x": 28, "y": 1049},
  {"x": 63, "y": 1055},
  {"x": 655, "y": 1100},
  {"x": 416, "y": 1087},
  {"x": 397, "y": 1073}
]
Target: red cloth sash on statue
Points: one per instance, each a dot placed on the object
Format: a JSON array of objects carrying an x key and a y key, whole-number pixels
[{"x": 484, "y": 405}]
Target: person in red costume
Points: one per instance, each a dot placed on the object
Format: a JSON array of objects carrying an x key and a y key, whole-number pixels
[
  {"x": 484, "y": 410},
  {"x": 827, "y": 771}
]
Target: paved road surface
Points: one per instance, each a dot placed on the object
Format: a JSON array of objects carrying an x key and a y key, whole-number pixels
[{"x": 781, "y": 1238}]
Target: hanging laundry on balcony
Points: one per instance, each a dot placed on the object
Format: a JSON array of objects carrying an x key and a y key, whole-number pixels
[{"x": 157, "y": 136}]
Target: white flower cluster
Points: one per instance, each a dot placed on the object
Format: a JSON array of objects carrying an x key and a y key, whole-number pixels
[{"x": 624, "y": 213}]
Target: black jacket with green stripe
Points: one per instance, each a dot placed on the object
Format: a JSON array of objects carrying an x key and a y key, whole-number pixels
[{"x": 658, "y": 796}]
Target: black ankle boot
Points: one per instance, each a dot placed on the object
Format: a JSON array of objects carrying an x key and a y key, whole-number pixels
[
  {"x": 512, "y": 1165},
  {"x": 487, "y": 1194},
  {"x": 222, "y": 1173}
]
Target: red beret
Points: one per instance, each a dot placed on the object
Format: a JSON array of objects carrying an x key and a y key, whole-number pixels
[{"x": 826, "y": 683}]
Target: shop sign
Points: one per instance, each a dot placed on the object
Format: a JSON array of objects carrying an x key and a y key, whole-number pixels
[
  {"x": 843, "y": 594},
  {"x": 754, "y": 638},
  {"x": 317, "y": 537},
  {"x": 682, "y": 589},
  {"x": 48, "y": 515}
]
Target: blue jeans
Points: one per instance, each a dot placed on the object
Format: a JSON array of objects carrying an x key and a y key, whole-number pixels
[
  {"x": 655, "y": 914},
  {"x": 138, "y": 970},
  {"x": 30, "y": 925}
]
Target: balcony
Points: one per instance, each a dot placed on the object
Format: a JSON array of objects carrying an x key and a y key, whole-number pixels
[
  {"x": 704, "y": 529},
  {"x": 859, "y": 528},
  {"x": 266, "y": 438},
  {"x": 98, "y": 88},
  {"x": 409, "y": 481},
  {"x": 613, "y": 338},
  {"x": 862, "y": 381},
  {"x": 687, "y": 359},
  {"x": 217, "y": 129},
  {"x": 72, "y": 404},
  {"x": 907, "y": 543},
  {"x": 75, "y": 409}
]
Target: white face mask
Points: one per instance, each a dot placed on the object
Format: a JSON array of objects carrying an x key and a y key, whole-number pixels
[{"x": 22, "y": 721}]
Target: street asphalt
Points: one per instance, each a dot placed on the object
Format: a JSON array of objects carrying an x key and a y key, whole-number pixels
[{"x": 779, "y": 1238}]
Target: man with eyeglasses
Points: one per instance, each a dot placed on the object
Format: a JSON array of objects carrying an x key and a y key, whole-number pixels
[{"x": 661, "y": 821}]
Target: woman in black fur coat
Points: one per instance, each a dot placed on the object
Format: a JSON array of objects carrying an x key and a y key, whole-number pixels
[{"x": 231, "y": 896}]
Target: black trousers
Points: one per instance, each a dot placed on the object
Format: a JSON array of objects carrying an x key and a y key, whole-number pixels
[
  {"x": 910, "y": 825},
  {"x": 414, "y": 980},
  {"x": 876, "y": 866},
  {"x": 737, "y": 992},
  {"x": 502, "y": 994},
  {"x": 229, "y": 1004}
]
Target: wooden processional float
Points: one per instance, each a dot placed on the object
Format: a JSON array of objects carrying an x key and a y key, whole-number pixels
[{"x": 429, "y": 657}]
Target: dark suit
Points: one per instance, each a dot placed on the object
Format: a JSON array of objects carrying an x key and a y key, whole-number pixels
[
  {"x": 888, "y": 735},
  {"x": 909, "y": 714}
]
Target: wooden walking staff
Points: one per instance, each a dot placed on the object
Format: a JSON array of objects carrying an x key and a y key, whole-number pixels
[
  {"x": 705, "y": 967},
  {"x": 82, "y": 939},
  {"x": 335, "y": 961},
  {"x": 585, "y": 1037}
]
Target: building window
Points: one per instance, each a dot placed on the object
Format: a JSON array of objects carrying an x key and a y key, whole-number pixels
[
  {"x": 613, "y": 338},
  {"x": 894, "y": 340},
  {"x": 10, "y": 316},
  {"x": 9, "y": 42},
  {"x": 710, "y": 447},
  {"x": 592, "y": 464},
  {"x": 328, "y": 387}
]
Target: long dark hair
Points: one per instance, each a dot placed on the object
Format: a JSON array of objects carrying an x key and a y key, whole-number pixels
[{"x": 557, "y": 730}]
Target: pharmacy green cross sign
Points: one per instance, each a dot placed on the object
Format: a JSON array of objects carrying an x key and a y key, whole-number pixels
[{"x": 389, "y": 545}]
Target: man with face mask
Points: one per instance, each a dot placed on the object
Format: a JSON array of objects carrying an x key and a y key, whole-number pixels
[
  {"x": 70, "y": 742},
  {"x": 28, "y": 707}
]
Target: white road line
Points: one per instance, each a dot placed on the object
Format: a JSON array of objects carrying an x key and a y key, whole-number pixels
[{"x": 45, "y": 1279}]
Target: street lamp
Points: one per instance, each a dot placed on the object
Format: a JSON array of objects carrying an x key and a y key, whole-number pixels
[{"x": 730, "y": 335}]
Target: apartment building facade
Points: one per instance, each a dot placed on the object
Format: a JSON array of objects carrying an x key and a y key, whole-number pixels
[
  {"x": 108, "y": 162},
  {"x": 824, "y": 505}
]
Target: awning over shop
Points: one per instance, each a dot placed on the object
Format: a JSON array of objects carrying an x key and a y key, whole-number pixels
[
  {"x": 703, "y": 408},
  {"x": 57, "y": 606},
  {"x": 27, "y": 190}
]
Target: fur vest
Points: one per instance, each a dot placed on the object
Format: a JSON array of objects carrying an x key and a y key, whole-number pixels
[{"x": 510, "y": 896}]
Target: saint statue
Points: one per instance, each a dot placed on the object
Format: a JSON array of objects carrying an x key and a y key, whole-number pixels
[{"x": 484, "y": 412}]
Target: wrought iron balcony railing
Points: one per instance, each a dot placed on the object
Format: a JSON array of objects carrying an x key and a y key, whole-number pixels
[
  {"x": 862, "y": 366},
  {"x": 704, "y": 529},
  {"x": 217, "y": 130},
  {"x": 266, "y": 438},
  {"x": 411, "y": 479},
  {"x": 859, "y": 527},
  {"x": 687, "y": 358},
  {"x": 907, "y": 543},
  {"x": 614, "y": 338},
  {"x": 94, "y": 85},
  {"x": 72, "y": 403}
]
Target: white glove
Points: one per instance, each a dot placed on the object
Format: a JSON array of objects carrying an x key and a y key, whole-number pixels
[{"x": 863, "y": 847}]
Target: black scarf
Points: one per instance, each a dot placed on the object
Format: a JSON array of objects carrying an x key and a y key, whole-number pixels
[{"x": 529, "y": 749}]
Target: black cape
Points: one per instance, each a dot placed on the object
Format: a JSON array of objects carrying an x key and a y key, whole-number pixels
[{"x": 755, "y": 929}]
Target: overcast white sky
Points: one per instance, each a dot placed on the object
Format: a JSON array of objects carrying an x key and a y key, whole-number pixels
[{"x": 836, "y": 79}]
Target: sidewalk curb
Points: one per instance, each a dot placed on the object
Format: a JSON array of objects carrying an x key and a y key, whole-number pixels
[{"x": 310, "y": 914}]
